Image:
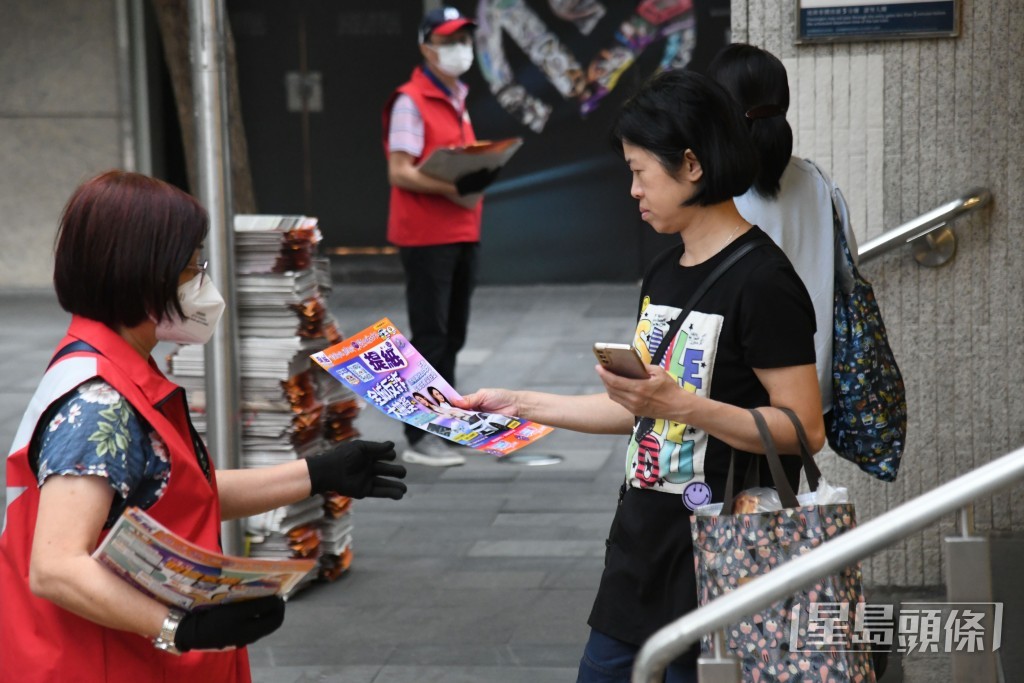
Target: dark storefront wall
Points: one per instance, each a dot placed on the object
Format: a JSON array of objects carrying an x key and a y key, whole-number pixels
[{"x": 560, "y": 211}]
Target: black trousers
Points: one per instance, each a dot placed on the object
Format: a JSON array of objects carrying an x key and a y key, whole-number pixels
[{"x": 439, "y": 282}]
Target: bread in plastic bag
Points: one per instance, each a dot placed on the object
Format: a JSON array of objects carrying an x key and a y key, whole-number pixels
[{"x": 765, "y": 499}]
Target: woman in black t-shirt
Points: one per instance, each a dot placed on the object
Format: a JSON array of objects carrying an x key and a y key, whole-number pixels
[{"x": 748, "y": 343}]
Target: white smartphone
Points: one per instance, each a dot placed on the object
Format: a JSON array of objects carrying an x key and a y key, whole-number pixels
[{"x": 620, "y": 359}]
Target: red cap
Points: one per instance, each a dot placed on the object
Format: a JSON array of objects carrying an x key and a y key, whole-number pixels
[{"x": 443, "y": 21}]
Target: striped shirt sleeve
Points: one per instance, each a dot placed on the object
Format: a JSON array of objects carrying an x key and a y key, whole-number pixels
[{"x": 406, "y": 130}]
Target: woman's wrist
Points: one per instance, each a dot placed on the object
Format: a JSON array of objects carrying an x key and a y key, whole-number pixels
[
  {"x": 524, "y": 403},
  {"x": 165, "y": 640},
  {"x": 687, "y": 408}
]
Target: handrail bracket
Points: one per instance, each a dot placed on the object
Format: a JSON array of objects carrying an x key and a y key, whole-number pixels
[
  {"x": 934, "y": 248},
  {"x": 933, "y": 241}
]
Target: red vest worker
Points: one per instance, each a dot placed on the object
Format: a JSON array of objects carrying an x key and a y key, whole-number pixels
[
  {"x": 438, "y": 239},
  {"x": 106, "y": 430}
]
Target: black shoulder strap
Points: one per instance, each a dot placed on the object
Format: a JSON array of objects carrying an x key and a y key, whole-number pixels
[
  {"x": 699, "y": 294},
  {"x": 47, "y": 415},
  {"x": 73, "y": 347},
  {"x": 645, "y": 424}
]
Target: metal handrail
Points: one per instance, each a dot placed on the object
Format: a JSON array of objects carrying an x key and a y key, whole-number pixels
[
  {"x": 674, "y": 639},
  {"x": 924, "y": 224}
]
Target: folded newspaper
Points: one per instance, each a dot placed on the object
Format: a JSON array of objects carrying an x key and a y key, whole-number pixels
[
  {"x": 381, "y": 366},
  {"x": 178, "y": 573},
  {"x": 450, "y": 163}
]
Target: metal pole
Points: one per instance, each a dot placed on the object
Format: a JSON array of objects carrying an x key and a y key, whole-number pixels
[
  {"x": 966, "y": 521},
  {"x": 973, "y": 200},
  {"x": 140, "y": 88},
  {"x": 207, "y": 47},
  {"x": 125, "y": 91}
]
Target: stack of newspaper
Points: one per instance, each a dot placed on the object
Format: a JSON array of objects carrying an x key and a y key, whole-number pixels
[
  {"x": 288, "y": 412},
  {"x": 274, "y": 244},
  {"x": 336, "y": 536}
]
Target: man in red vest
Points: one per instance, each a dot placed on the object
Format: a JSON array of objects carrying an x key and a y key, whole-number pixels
[{"x": 438, "y": 239}]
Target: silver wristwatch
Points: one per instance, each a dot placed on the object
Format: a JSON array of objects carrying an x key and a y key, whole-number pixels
[{"x": 165, "y": 641}]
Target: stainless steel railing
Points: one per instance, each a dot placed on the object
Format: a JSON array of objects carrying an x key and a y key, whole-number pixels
[
  {"x": 933, "y": 241},
  {"x": 674, "y": 639}
]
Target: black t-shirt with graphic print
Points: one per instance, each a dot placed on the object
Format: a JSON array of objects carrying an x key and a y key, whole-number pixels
[{"x": 757, "y": 315}]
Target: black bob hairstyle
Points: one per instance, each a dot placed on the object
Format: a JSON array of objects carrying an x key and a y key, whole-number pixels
[
  {"x": 681, "y": 110},
  {"x": 757, "y": 81},
  {"x": 124, "y": 240}
]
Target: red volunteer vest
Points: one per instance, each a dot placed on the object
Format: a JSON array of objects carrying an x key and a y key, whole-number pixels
[
  {"x": 40, "y": 641},
  {"x": 416, "y": 219}
]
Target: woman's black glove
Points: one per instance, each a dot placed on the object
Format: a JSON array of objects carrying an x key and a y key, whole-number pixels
[
  {"x": 476, "y": 181},
  {"x": 355, "y": 469},
  {"x": 236, "y": 624}
]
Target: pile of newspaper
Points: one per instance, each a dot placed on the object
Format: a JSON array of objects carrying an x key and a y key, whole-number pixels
[{"x": 290, "y": 408}]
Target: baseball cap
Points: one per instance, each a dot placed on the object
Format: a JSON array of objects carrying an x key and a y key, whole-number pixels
[{"x": 443, "y": 21}]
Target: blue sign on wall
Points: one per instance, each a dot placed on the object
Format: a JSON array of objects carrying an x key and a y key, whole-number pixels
[{"x": 835, "y": 20}]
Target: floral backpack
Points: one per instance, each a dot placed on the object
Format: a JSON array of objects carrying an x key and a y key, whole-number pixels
[{"x": 869, "y": 402}]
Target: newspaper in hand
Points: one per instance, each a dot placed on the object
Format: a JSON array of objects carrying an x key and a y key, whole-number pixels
[
  {"x": 180, "y": 574},
  {"x": 450, "y": 163},
  {"x": 381, "y": 365}
]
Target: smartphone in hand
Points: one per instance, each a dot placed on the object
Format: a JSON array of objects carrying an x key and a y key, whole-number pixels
[{"x": 620, "y": 359}]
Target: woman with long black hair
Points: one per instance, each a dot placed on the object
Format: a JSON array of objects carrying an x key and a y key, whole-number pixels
[{"x": 791, "y": 198}]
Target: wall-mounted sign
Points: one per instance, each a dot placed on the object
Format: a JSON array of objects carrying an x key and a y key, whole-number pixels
[{"x": 847, "y": 20}]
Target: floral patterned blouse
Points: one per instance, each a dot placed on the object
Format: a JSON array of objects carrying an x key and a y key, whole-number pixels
[{"x": 95, "y": 431}]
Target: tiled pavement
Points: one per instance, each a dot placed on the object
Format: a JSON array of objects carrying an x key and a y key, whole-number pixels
[{"x": 484, "y": 573}]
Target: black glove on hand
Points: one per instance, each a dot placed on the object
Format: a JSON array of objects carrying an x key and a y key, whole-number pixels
[
  {"x": 355, "y": 469},
  {"x": 476, "y": 181},
  {"x": 235, "y": 624}
]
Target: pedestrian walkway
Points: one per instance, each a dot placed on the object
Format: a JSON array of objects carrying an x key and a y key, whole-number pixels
[{"x": 483, "y": 573}]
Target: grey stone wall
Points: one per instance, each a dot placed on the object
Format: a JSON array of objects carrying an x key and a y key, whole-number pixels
[
  {"x": 951, "y": 118},
  {"x": 59, "y": 122}
]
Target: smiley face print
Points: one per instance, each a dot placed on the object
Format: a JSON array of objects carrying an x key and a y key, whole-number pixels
[{"x": 696, "y": 495}]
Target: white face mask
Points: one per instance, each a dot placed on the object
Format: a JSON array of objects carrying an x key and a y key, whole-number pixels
[
  {"x": 202, "y": 305},
  {"x": 454, "y": 60}
]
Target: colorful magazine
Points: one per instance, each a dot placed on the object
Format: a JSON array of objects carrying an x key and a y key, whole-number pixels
[
  {"x": 381, "y": 365},
  {"x": 178, "y": 573}
]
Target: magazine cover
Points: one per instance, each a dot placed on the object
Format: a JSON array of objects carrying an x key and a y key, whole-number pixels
[
  {"x": 381, "y": 365},
  {"x": 178, "y": 573}
]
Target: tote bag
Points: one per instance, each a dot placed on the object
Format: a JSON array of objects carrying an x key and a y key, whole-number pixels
[
  {"x": 869, "y": 402},
  {"x": 808, "y": 636},
  {"x": 868, "y": 425}
]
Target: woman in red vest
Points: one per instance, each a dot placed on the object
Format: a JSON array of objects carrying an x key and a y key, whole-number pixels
[{"x": 106, "y": 430}]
